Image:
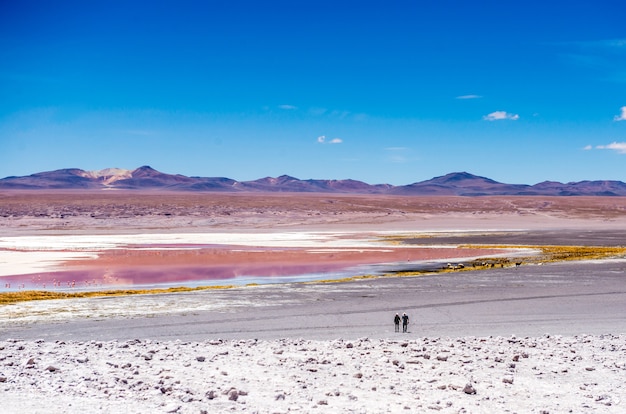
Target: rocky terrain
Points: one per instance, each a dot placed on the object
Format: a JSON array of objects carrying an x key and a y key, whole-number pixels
[
  {"x": 95, "y": 212},
  {"x": 548, "y": 374}
]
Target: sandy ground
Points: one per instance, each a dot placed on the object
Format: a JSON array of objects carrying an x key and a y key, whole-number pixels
[{"x": 533, "y": 339}]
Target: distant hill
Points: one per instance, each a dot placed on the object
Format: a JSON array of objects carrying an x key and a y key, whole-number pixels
[{"x": 147, "y": 178}]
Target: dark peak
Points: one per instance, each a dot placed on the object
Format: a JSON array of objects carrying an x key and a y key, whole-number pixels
[
  {"x": 146, "y": 171},
  {"x": 145, "y": 168},
  {"x": 458, "y": 177},
  {"x": 283, "y": 178}
]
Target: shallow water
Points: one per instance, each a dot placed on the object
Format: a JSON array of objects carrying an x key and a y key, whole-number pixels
[{"x": 114, "y": 262}]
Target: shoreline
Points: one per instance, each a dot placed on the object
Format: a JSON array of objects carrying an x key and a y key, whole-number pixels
[{"x": 180, "y": 259}]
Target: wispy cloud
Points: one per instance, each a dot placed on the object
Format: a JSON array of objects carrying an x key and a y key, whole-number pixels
[
  {"x": 322, "y": 140},
  {"x": 138, "y": 132},
  {"x": 607, "y": 44},
  {"x": 288, "y": 107},
  {"x": 396, "y": 148},
  {"x": 340, "y": 114},
  {"x": 622, "y": 115},
  {"x": 317, "y": 111},
  {"x": 603, "y": 58},
  {"x": 619, "y": 147},
  {"x": 500, "y": 115},
  {"x": 397, "y": 155},
  {"x": 469, "y": 97}
]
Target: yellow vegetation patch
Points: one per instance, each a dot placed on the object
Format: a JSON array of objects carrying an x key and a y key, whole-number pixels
[
  {"x": 343, "y": 279},
  {"x": 27, "y": 295},
  {"x": 546, "y": 254},
  {"x": 560, "y": 253}
]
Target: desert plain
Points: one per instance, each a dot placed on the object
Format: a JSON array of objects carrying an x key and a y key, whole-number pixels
[{"x": 303, "y": 292}]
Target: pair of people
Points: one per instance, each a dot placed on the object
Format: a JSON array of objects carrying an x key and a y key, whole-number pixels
[{"x": 405, "y": 322}]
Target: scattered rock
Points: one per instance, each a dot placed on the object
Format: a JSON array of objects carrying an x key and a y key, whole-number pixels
[
  {"x": 171, "y": 408},
  {"x": 469, "y": 389},
  {"x": 351, "y": 376}
]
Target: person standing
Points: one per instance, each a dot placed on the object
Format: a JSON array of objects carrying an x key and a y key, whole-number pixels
[
  {"x": 405, "y": 322},
  {"x": 396, "y": 322}
]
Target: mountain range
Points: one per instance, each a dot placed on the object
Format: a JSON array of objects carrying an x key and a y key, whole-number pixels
[{"x": 147, "y": 178}]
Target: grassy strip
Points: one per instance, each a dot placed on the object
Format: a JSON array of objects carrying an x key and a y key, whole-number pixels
[
  {"x": 548, "y": 254},
  {"x": 28, "y": 295},
  {"x": 560, "y": 253},
  {"x": 342, "y": 280}
]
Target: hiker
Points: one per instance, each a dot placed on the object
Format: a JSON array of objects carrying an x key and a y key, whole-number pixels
[
  {"x": 396, "y": 321},
  {"x": 405, "y": 322}
]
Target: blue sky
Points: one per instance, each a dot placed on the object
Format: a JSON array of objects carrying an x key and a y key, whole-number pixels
[{"x": 380, "y": 91}]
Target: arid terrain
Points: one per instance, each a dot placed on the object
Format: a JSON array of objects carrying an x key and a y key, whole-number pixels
[
  {"x": 76, "y": 212},
  {"x": 540, "y": 337}
]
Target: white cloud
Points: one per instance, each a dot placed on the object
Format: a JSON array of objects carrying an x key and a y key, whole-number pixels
[
  {"x": 396, "y": 148},
  {"x": 588, "y": 147},
  {"x": 322, "y": 140},
  {"x": 469, "y": 97},
  {"x": 287, "y": 107},
  {"x": 620, "y": 147},
  {"x": 622, "y": 115},
  {"x": 499, "y": 115}
]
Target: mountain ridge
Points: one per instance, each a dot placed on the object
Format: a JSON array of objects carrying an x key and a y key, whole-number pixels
[{"x": 147, "y": 178}]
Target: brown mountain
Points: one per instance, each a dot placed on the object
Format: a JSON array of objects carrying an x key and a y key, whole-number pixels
[{"x": 147, "y": 178}]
